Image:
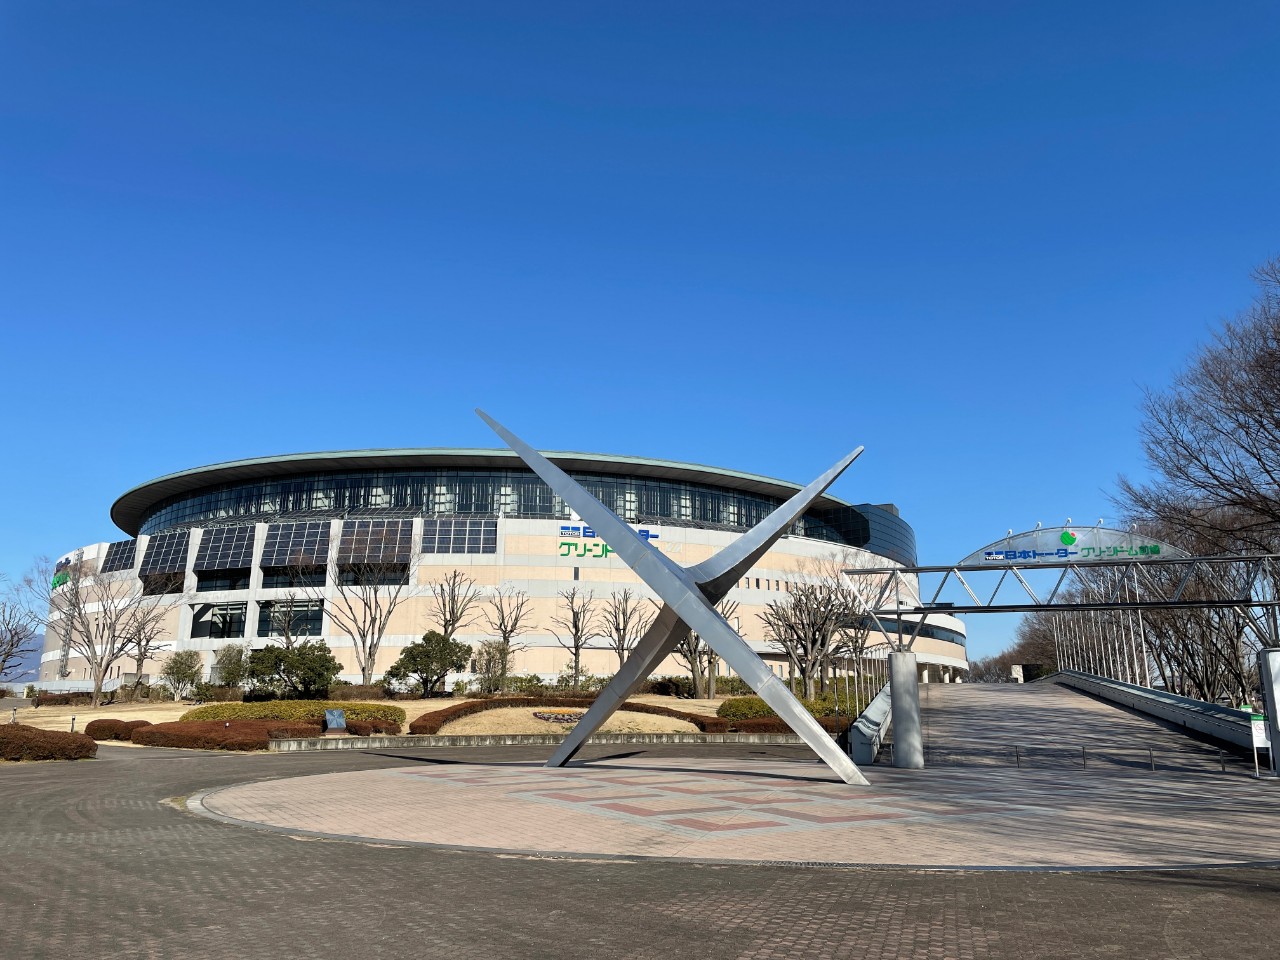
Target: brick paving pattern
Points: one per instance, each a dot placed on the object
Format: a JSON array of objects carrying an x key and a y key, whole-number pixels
[{"x": 1055, "y": 811}]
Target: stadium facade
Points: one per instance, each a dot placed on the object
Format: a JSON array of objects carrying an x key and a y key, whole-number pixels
[{"x": 225, "y": 547}]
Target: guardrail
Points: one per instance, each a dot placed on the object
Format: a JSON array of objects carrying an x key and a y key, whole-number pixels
[
  {"x": 867, "y": 732},
  {"x": 1221, "y": 723}
]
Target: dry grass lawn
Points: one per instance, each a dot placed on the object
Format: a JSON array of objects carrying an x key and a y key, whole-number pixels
[
  {"x": 706, "y": 708},
  {"x": 59, "y": 718},
  {"x": 522, "y": 720}
]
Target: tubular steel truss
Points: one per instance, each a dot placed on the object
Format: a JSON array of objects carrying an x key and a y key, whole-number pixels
[{"x": 1250, "y": 584}]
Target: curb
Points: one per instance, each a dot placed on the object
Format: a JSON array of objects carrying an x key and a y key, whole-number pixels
[{"x": 299, "y": 745}]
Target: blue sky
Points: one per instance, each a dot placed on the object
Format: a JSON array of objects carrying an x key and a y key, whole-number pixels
[{"x": 752, "y": 235}]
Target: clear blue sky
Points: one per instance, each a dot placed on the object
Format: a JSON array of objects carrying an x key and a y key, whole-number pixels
[{"x": 752, "y": 235}]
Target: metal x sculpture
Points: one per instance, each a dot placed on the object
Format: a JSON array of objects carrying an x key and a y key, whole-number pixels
[{"x": 689, "y": 596}]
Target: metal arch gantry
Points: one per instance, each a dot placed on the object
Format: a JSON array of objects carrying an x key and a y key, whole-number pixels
[
  {"x": 689, "y": 596},
  {"x": 1244, "y": 583}
]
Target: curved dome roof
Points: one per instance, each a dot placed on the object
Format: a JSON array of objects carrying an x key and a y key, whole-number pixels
[{"x": 130, "y": 509}]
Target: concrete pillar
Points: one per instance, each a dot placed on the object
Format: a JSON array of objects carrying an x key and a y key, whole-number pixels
[
  {"x": 1269, "y": 677},
  {"x": 908, "y": 744}
]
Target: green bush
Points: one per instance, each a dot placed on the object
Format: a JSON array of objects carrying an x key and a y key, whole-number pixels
[
  {"x": 296, "y": 711},
  {"x": 748, "y": 708},
  {"x": 113, "y": 729},
  {"x": 526, "y": 685},
  {"x": 733, "y": 687},
  {"x": 20, "y": 742}
]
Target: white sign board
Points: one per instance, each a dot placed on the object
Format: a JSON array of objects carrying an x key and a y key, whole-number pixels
[{"x": 1261, "y": 736}]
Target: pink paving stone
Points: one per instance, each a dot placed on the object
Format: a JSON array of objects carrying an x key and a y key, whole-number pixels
[
  {"x": 567, "y": 797},
  {"x": 710, "y": 827},
  {"x": 635, "y": 811},
  {"x": 836, "y": 817}
]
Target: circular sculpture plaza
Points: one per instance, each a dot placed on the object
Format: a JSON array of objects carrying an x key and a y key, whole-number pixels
[{"x": 224, "y": 543}]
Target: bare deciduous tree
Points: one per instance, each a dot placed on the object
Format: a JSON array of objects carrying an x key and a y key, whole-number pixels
[
  {"x": 1212, "y": 439},
  {"x": 18, "y": 627},
  {"x": 820, "y": 620},
  {"x": 624, "y": 620},
  {"x": 698, "y": 657},
  {"x": 143, "y": 625},
  {"x": 579, "y": 623},
  {"x": 367, "y": 580},
  {"x": 86, "y": 610},
  {"x": 454, "y": 599},
  {"x": 507, "y": 615}
]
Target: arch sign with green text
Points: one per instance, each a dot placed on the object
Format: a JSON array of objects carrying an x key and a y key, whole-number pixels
[{"x": 1056, "y": 544}]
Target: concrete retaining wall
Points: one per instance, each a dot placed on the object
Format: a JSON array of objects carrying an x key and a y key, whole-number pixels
[
  {"x": 1220, "y": 723},
  {"x": 526, "y": 739},
  {"x": 867, "y": 732}
]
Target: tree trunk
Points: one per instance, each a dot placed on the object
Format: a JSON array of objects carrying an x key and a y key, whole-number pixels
[{"x": 99, "y": 675}]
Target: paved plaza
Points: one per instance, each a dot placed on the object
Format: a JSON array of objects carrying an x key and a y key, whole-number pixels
[
  {"x": 101, "y": 859},
  {"x": 979, "y": 805}
]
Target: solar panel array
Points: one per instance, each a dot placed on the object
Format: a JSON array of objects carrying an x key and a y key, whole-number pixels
[
  {"x": 166, "y": 553},
  {"x": 120, "y": 556},
  {"x": 304, "y": 544},
  {"x": 225, "y": 548},
  {"x": 459, "y": 536},
  {"x": 376, "y": 541}
]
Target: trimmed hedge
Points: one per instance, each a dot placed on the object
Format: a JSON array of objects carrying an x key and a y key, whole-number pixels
[
  {"x": 296, "y": 711},
  {"x": 358, "y": 691},
  {"x": 20, "y": 742},
  {"x": 113, "y": 729},
  {"x": 748, "y": 708},
  {"x": 63, "y": 699},
  {"x": 221, "y": 734},
  {"x": 430, "y": 723},
  {"x": 366, "y": 728},
  {"x": 210, "y": 693},
  {"x": 832, "y": 725}
]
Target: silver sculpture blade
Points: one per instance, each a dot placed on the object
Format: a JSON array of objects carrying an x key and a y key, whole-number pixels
[{"x": 689, "y": 597}]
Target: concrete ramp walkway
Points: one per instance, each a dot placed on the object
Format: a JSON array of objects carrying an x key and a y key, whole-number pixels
[{"x": 1046, "y": 724}]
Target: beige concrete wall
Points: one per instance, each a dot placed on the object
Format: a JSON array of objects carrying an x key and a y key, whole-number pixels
[{"x": 534, "y": 558}]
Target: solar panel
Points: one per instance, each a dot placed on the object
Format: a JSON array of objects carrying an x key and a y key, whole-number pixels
[
  {"x": 296, "y": 544},
  {"x": 459, "y": 536},
  {"x": 120, "y": 556},
  {"x": 166, "y": 553},
  {"x": 376, "y": 541},
  {"x": 225, "y": 548}
]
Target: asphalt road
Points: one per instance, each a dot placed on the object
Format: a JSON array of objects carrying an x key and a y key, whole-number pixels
[{"x": 98, "y": 859}]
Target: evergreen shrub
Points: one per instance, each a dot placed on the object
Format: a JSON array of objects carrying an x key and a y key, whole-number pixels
[{"x": 296, "y": 711}]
